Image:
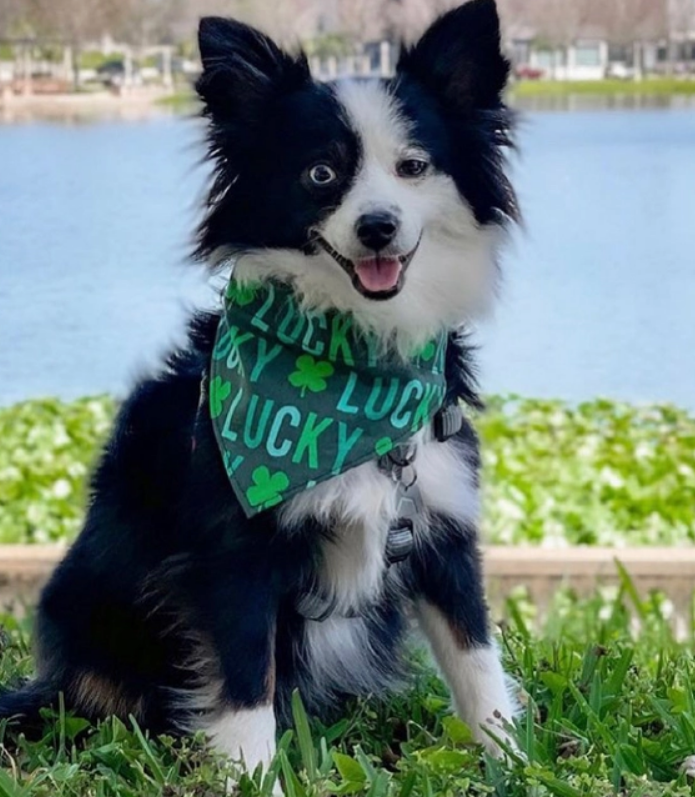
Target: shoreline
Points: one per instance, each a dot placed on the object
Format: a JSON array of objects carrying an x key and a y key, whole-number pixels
[
  {"x": 133, "y": 106},
  {"x": 142, "y": 104}
]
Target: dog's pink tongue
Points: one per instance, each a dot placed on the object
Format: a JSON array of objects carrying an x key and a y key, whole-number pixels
[{"x": 378, "y": 274}]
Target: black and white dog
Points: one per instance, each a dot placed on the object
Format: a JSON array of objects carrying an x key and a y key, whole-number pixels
[{"x": 384, "y": 200}]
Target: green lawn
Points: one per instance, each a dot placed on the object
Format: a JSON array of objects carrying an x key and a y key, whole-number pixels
[
  {"x": 653, "y": 87},
  {"x": 607, "y": 713},
  {"x": 608, "y": 710},
  {"x": 601, "y": 472},
  {"x": 180, "y": 101},
  {"x": 560, "y": 88}
]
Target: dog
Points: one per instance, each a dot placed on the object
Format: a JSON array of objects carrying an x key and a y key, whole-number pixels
[{"x": 372, "y": 206}]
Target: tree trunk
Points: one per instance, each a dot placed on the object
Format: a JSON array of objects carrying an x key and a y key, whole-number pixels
[
  {"x": 638, "y": 60},
  {"x": 75, "y": 52},
  {"x": 670, "y": 57},
  {"x": 28, "y": 86}
]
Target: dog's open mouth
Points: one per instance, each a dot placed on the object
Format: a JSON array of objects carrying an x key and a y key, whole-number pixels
[{"x": 377, "y": 277}]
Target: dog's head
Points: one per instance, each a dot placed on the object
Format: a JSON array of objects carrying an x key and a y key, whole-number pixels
[{"x": 382, "y": 198}]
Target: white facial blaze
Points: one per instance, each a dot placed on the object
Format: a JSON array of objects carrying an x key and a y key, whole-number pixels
[
  {"x": 450, "y": 280},
  {"x": 385, "y": 140}
]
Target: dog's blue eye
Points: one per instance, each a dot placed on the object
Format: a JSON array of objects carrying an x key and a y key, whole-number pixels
[
  {"x": 412, "y": 167},
  {"x": 322, "y": 174}
]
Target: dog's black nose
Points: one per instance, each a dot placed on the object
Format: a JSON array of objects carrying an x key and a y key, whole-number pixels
[{"x": 377, "y": 230}]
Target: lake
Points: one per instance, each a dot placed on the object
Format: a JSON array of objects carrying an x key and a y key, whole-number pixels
[{"x": 598, "y": 296}]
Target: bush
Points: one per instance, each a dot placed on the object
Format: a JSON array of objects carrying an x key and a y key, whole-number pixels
[
  {"x": 92, "y": 59},
  {"x": 601, "y": 473},
  {"x": 46, "y": 450}
]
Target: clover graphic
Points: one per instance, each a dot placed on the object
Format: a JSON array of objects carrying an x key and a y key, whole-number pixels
[
  {"x": 311, "y": 374},
  {"x": 428, "y": 351},
  {"x": 383, "y": 446},
  {"x": 241, "y": 294},
  {"x": 220, "y": 390},
  {"x": 267, "y": 487}
]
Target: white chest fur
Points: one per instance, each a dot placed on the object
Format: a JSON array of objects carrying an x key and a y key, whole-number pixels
[{"x": 360, "y": 505}]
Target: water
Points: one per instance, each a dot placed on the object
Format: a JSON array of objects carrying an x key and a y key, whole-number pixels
[{"x": 599, "y": 293}]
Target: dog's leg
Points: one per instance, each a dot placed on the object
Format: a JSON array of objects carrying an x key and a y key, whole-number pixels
[
  {"x": 451, "y": 610},
  {"x": 236, "y": 610},
  {"x": 245, "y": 735}
]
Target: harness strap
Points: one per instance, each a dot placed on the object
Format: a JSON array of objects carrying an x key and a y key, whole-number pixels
[{"x": 398, "y": 464}]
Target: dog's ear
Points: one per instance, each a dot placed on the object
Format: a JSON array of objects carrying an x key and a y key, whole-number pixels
[
  {"x": 459, "y": 58},
  {"x": 243, "y": 69}
]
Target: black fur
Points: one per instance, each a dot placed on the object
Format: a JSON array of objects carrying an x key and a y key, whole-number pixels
[
  {"x": 450, "y": 84},
  {"x": 268, "y": 123},
  {"x": 168, "y": 571},
  {"x": 170, "y": 587}
]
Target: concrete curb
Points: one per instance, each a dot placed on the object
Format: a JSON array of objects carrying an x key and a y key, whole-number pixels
[{"x": 24, "y": 569}]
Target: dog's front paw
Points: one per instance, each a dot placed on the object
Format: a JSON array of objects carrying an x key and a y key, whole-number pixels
[
  {"x": 495, "y": 734},
  {"x": 232, "y": 785},
  {"x": 688, "y": 767}
]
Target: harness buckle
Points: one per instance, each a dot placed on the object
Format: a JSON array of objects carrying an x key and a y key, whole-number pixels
[
  {"x": 447, "y": 422},
  {"x": 400, "y": 541}
]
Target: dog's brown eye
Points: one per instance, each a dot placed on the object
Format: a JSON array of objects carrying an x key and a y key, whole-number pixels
[
  {"x": 322, "y": 174},
  {"x": 412, "y": 167}
]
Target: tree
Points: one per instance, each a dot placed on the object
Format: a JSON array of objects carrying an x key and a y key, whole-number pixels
[
  {"x": 9, "y": 16},
  {"x": 363, "y": 20},
  {"x": 680, "y": 24},
  {"x": 73, "y": 22},
  {"x": 148, "y": 21},
  {"x": 627, "y": 24},
  {"x": 407, "y": 19},
  {"x": 558, "y": 24}
]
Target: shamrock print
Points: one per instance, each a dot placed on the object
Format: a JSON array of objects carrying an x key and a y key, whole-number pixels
[
  {"x": 267, "y": 488},
  {"x": 241, "y": 294},
  {"x": 311, "y": 374},
  {"x": 232, "y": 463},
  {"x": 220, "y": 390},
  {"x": 428, "y": 351},
  {"x": 383, "y": 446}
]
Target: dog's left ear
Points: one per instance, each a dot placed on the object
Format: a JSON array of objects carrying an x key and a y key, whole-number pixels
[{"x": 459, "y": 59}]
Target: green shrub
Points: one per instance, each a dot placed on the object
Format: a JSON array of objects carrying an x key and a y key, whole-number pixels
[
  {"x": 602, "y": 472},
  {"x": 46, "y": 450},
  {"x": 92, "y": 59}
]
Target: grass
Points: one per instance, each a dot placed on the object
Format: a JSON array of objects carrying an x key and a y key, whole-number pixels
[
  {"x": 608, "y": 712},
  {"x": 185, "y": 101},
  {"x": 601, "y": 472},
  {"x": 559, "y": 88},
  {"x": 180, "y": 101}
]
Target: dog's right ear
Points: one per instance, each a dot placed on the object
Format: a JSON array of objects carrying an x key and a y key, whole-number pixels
[
  {"x": 243, "y": 69},
  {"x": 459, "y": 58}
]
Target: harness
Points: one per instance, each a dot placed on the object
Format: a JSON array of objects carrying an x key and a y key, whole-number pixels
[
  {"x": 399, "y": 465},
  {"x": 297, "y": 397}
]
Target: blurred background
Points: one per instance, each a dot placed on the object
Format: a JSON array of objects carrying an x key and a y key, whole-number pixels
[{"x": 100, "y": 179}]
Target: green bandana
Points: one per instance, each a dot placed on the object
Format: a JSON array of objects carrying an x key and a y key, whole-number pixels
[{"x": 298, "y": 397}]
